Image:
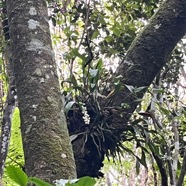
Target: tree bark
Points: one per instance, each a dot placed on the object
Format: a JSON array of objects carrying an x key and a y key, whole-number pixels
[
  {"x": 146, "y": 56},
  {"x": 48, "y": 152},
  {"x": 149, "y": 52}
]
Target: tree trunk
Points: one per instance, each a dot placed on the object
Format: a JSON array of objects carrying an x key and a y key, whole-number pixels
[
  {"x": 48, "y": 152},
  {"x": 146, "y": 56}
]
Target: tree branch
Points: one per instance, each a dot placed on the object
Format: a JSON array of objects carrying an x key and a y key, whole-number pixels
[
  {"x": 149, "y": 52},
  {"x": 183, "y": 171},
  {"x": 164, "y": 180},
  {"x": 7, "y": 117}
]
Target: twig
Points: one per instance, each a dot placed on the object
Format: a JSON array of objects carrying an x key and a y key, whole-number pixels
[
  {"x": 83, "y": 34},
  {"x": 6, "y": 124},
  {"x": 183, "y": 171}
]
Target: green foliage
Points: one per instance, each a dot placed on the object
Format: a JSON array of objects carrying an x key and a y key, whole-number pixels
[
  {"x": 15, "y": 154},
  {"x": 84, "y": 181},
  {"x": 16, "y": 147},
  {"x": 93, "y": 38},
  {"x": 38, "y": 182},
  {"x": 92, "y": 34},
  {"x": 19, "y": 176}
]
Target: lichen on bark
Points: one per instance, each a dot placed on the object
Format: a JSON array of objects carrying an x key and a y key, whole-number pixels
[{"x": 43, "y": 124}]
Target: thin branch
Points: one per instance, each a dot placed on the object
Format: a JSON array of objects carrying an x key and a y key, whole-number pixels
[
  {"x": 6, "y": 124},
  {"x": 183, "y": 171},
  {"x": 83, "y": 34},
  {"x": 164, "y": 178},
  {"x": 169, "y": 164},
  {"x": 154, "y": 171},
  {"x": 176, "y": 149},
  {"x": 8, "y": 111}
]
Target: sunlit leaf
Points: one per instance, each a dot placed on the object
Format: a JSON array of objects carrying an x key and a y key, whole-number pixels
[
  {"x": 86, "y": 181},
  {"x": 108, "y": 38},
  {"x": 95, "y": 34},
  {"x": 17, "y": 175},
  {"x": 100, "y": 64},
  {"x": 38, "y": 182},
  {"x": 165, "y": 111}
]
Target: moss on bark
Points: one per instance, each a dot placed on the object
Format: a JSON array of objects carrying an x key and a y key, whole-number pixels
[{"x": 47, "y": 148}]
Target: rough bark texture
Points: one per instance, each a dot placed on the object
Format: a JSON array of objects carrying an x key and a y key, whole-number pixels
[
  {"x": 48, "y": 152},
  {"x": 145, "y": 57},
  {"x": 150, "y": 51},
  {"x": 7, "y": 122}
]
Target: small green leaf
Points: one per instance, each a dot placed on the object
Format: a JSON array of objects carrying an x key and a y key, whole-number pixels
[
  {"x": 95, "y": 34},
  {"x": 75, "y": 53},
  {"x": 66, "y": 30},
  {"x": 100, "y": 64},
  {"x": 17, "y": 175},
  {"x": 116, "y": 30},
  {"x": 108, "y": 38},
  {"x": 110, "y": 8},
  {"x": 38, "y": 182},
  {"x": 86, "y": 181},
  {"x": 165, "y": 111}
]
